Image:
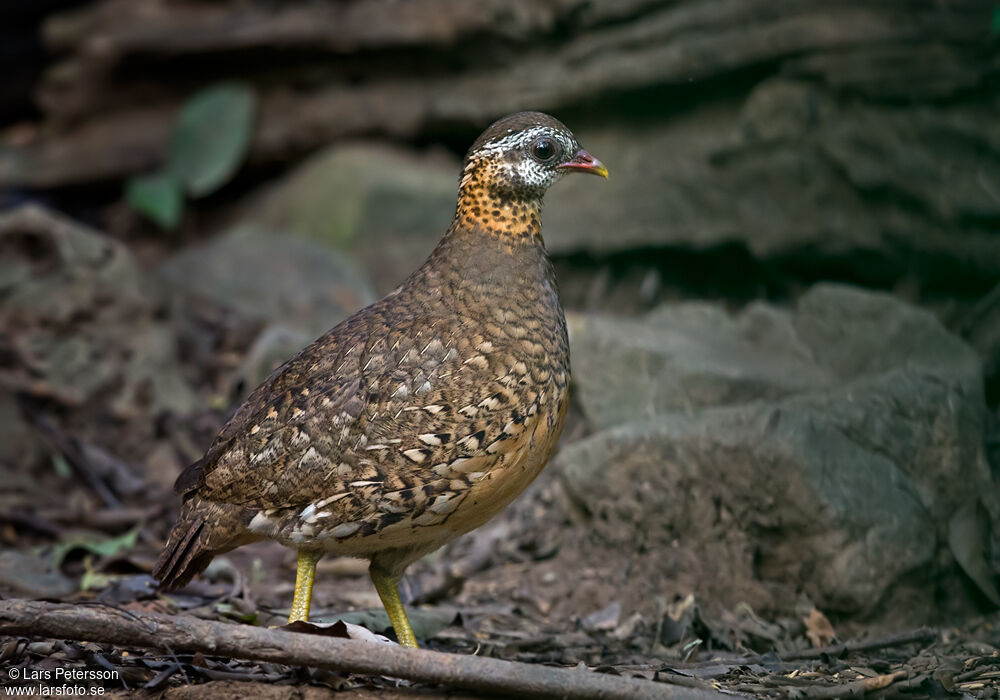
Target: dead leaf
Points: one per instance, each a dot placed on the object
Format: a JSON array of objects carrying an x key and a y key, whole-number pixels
[
  {"x": 967, "y": 538},
  {"x": 426, "y": 622},
  {"x": 339, "y": 629},
  {"x": 818, "y": 629},
  {"x": 605, "y": 619}
]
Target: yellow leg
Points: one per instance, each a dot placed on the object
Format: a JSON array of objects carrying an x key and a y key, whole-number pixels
[
  {"x": 305, "y": 573},
  {"x": 388, "y": 590}
]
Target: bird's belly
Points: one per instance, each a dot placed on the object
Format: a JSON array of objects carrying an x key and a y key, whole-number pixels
[
  {"x": 512, "y": 474},
  {"x": 499, "y": 479}
]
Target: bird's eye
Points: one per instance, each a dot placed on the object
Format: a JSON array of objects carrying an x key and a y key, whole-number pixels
[{"x": 543, "y": 149}]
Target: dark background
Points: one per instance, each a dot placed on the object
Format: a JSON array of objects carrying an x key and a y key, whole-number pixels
[{"x": 784, "y": 303}]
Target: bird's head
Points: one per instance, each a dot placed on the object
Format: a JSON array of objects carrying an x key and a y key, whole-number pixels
[{"x": 522, "y": 155}]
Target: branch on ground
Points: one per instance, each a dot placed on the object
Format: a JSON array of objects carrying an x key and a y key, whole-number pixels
[{"x": 187, "y": 634}]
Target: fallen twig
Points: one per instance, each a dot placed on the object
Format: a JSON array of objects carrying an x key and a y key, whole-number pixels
[
  {"x": 107, "y": 475},
  {"x": 28, "y": 519},
  {"x": 106, "y": 519},
  {"x": 853, "y": 689},
  {"x": 834, "y": 650},
  {"x": 188, "y": 634}
]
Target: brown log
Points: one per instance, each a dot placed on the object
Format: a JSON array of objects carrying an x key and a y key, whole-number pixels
[{"x": 187, "y": 634}]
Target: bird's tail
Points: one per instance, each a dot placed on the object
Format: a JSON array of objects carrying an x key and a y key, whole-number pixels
[{"x": 202, "y": 531}]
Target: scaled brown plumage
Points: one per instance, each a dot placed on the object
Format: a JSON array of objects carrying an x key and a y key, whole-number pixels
[{"x": 419, "y": 417}]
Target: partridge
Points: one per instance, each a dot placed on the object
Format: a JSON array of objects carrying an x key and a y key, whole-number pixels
[{"x": 416, "y": 419}]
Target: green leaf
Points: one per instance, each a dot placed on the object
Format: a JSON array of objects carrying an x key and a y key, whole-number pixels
[
  {"x": 93, "y": 580},
  {"x": 211, "y": 137},
  {"x": 234, "y": 612},
  {"x": 157, "y": 196},
  {"x": 61, "y": 466},
  {"x": 103, "y": 547},
  {"x": 995, "y": 24}
]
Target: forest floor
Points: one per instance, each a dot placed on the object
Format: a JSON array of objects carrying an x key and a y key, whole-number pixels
[
  {"x": 474, "y": 600},
  {"x": 86, "y": 505}
]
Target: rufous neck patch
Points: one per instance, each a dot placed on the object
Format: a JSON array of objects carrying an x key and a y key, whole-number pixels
[{"x": 487, "y": 202}]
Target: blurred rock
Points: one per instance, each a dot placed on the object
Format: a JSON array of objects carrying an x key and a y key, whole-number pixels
[
  {"x": 687, "y": 357},
  {"x": 696, "y": 355},
  {"x": 293, "y": 289},
  {"x": 386, "y": 206},
  {"x": 823, "y": 449},
  {"x": 798, "y": 173},
  {"x": 403, "y": 69},
  {"x": 271, "y": 278},
  {"x": 79, "y": 323},
  {"x": 854, "y": 131},
  {"x": 794, "y": 173},
  {"x": 27, "y": 573}
]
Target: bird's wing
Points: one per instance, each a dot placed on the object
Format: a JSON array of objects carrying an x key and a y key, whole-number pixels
[
  {"x": 335, "y": 417},
  {"x": 257, "y": 458}
]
